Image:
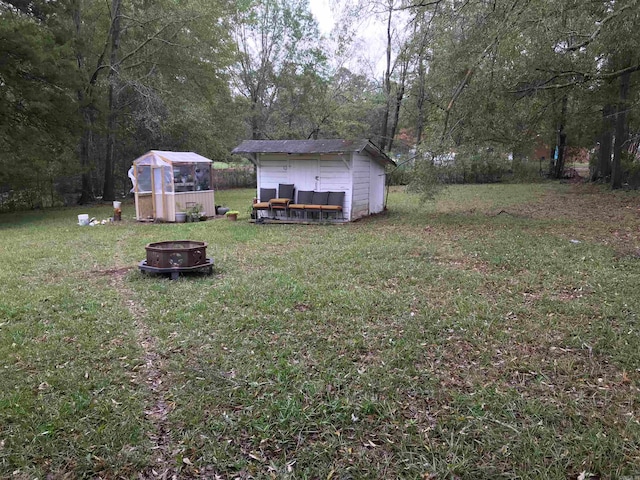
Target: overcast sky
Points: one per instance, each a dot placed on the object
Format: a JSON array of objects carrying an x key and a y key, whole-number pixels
[
  {"x": 368, "y": 55},
  {"x": 322, "y": 11}
]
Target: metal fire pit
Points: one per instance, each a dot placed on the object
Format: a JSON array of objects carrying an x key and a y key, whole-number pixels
[{"x": 175, "y": 257}]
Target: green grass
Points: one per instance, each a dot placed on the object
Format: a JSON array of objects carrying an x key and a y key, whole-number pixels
[{"x": 490, "y": 333}]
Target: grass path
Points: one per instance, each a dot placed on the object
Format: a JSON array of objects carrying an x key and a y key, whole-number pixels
[{"x": 152, "y": 375}]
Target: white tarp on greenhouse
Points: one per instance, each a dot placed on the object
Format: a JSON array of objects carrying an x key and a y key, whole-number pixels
[
  {"x": 161, "y": 158},
  {"x": 166, "y": 160}
]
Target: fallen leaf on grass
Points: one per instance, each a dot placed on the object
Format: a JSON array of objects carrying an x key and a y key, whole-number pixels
[{"x": 256, "y": 457}]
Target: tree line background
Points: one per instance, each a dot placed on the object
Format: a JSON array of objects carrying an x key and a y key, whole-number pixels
[{"x": 86, "y": 86}]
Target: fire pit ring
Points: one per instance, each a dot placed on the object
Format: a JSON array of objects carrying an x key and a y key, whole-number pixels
[{"x": 176, "y": 256}]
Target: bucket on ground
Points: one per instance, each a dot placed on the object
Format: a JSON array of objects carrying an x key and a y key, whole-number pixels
[
  {"x": 117, "y": 212},
  {"x": 83, "y": 219}
]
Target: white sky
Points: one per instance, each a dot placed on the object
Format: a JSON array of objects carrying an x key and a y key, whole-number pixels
[
  {"x": 368, "y": 53},
  {"x": 321, "y": 10}
]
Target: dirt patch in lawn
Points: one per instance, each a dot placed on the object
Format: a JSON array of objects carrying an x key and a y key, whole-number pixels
[{"x": 152, "y": 375}]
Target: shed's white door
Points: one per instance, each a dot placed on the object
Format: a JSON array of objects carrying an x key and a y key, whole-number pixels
[{"x": 305, "y": 174}]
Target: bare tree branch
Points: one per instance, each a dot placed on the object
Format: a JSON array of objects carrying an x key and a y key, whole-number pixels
[
  {"x": 596, "y": 32},
  {"x": 579, "y": 78},
  {"x": 465, "y": 81},
  {"x": 421, "y": 4}
]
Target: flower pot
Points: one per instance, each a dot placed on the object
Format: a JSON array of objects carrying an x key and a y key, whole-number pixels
[
  {"x": 181, "y": 217},
  {"x": 233, "y": 216},
  {"x": 222, "y": 210}
]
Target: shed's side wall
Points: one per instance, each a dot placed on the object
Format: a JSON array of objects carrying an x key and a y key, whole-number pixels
[
  {"x": 377, "y": 182},
  {"x": 361, "y": 173}
]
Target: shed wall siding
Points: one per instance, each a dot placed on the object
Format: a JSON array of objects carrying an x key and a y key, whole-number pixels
[
  {"x": 377, "y": 188},
  {"x": 360, "y": 198},
  {"x": 272, "y": 171},
  {"x": 335, "y": 176}
]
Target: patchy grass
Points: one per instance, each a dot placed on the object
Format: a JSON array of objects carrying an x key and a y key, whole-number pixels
[{"x": 491, "y": 333}]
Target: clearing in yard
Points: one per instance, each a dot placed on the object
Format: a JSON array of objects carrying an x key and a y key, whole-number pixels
[{"x": 492, "y": 333}]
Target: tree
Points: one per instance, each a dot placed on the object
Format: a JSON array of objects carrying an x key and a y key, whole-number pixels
[
  {"x": 37, "y": 129},
  {"x": 278, "y": 47},
  {"x": 155, "y": 51},
  {"x": 503, "y": 73}
]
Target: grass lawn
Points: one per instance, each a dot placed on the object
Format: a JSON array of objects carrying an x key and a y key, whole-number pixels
[{"x": 491, "y": 334}]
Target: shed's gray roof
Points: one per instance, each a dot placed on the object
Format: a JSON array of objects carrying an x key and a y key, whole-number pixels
[{"x": 301, "y": 147}]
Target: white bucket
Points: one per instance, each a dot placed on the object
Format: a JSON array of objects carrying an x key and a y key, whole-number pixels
[
  {"x": 83, "y": 219},
  {"x": 117, "y": 204}
]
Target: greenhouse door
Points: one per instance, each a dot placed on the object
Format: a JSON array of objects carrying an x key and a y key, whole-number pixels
[{"x": 158, "y": 193}]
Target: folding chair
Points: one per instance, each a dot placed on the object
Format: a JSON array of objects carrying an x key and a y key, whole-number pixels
[
  {"x": 266, "y": 195},
  {"x": 304, "y": 198},
  {"x": 282, "y": 201},
  {"x": 319, "y": 199},
  {"x": 335, "y": 203}
]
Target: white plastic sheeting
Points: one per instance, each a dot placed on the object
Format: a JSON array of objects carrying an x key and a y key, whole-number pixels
[
  {"x": 162, "y": 158},
  {"x": 161, "y": 162},
  {"x": 132, "y": 176}
]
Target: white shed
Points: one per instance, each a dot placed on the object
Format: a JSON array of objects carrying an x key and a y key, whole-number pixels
[{"x": 356, "y": 167}]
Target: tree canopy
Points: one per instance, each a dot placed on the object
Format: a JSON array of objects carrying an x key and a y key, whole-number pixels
[{"x": 85, "y": 86}]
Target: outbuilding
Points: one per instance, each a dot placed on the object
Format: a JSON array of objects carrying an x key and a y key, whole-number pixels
[
  {"x": 168, "y": 182},
  {"x": 355, "y": 167}
]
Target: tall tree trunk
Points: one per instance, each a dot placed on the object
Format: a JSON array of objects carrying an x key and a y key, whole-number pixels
[
  {"x": 387, "y": 84},
  {"x": 422, "y": 73},
  {"x": 399, "y": 97},
  {"x": 562, "y": 139},
  {"x": 621, "y": 132},
  {"x": 86, "y": 192},
  {"x": 420, "y": 101},
  {"x": 254, "y": 119},
  {"x": 603, "y": 170},
  {"x": 108, "y": 190}
]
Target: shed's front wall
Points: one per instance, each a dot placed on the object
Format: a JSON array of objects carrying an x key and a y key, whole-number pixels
[{"x": 329, "y": 173}]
